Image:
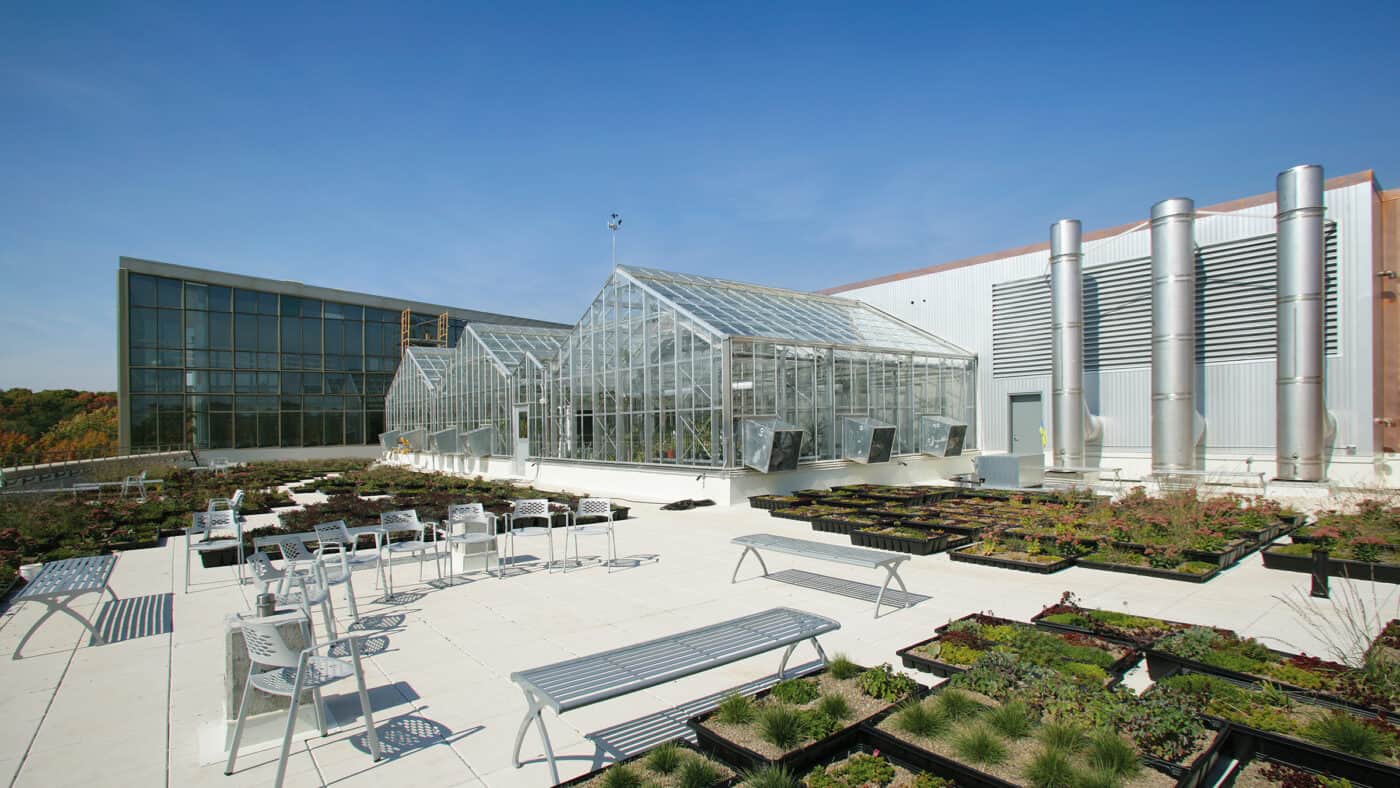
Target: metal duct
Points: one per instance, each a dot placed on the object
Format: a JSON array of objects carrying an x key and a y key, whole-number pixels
[
  {"x": 1301, "y": 412},
  {"x": 1174, "y": 335},
  {"x": 1067, "y": 417}
]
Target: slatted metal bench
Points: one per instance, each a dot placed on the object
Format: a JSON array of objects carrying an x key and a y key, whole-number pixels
[
  {"x": 821, "y": 551},
  {"x": 583, "y": 681},
  {"x": 60, "y": 582}
]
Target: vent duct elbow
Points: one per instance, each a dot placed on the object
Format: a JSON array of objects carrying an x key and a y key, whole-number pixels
[
  {"x": 1174, "y": 417},
  {"x": 1301, "y": 410},
  {"x": 1070, "y": 422}
]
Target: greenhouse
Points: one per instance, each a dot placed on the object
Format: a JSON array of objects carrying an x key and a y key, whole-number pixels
[
  {"x": 692, "y": 371},
  {"x": 494, "y": 370},
  {"x": 414, "y": 403}
]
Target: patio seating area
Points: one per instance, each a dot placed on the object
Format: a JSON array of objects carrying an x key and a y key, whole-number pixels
[{"x": 439, "y": 653}]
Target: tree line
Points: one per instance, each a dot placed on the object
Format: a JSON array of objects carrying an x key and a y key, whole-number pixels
[{"x": 56, "y": 424}]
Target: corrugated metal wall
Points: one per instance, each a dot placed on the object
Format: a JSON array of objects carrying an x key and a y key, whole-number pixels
[{"x": 1236, "y": 395}]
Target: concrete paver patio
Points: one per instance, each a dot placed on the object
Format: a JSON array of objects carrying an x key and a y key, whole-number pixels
[{"x": 149, "y": 710}]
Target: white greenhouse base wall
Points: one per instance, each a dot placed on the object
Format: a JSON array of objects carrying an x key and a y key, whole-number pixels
[{"x": 653, "y": 484}]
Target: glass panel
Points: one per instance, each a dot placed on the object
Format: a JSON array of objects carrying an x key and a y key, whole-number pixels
[
  {"x": 141, "y": 291},
  {"x": 196, "y": 296},
  {"x": 220, "y": 298},
  {"x": 142, "y": 327},
  {"x": 221, "y": 332},
  {"x": 310, "y": 334},
  {"x": 245, "y": 332},
  {"x": 291, "y": 429},
  {"x": 196, "y": 330},
  {"x": 171, "y": 333},
  {"x": 168, "y": 293}
]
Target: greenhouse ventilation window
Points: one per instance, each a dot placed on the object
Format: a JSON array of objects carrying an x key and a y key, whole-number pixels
[
  {"x": 866, "y": 440},
  {"x": 771, "y": 444},
  {"x": 415, "y": 439},
  {"x": 388, "y": 441},
  {"x": 940, "y": 436},
  {"x": 479, "y": 441},
  {"x": 446, "y": 441}
]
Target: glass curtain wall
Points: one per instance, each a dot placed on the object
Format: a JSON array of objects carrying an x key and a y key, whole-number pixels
[{"x": 215, "y": 367}]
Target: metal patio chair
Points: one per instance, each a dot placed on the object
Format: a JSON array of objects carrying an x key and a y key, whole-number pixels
[
  {"x": 411, "y": 531},
  {"x": 199, "y": 537},
  {"x": 468, "y": 525},
  {"x": 334, "y": 557},
  {"x": 264, "y": 573},
  {"x": 304, "y": 584},
  {"x": 279, "y": 669},
  {"x": 591, "y": 507},
  {"x": 524, "y": 510}
]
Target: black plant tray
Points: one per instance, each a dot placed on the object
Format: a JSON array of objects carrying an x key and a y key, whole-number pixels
[
  {"x": 216, "y": 558},
  {"x": 865, "y": 745},
  {"x": 952, "y": 528},
  {"x": 801, "y": 518},
  {"x": 638, "y": 758},
  {"x": 918, "y": 662},
  {"x": 763, "y": 502},
  {"x": 798, "y": 761},
  {"x": 963, "y": 776},
  {"x": 1038, "y": 620},
  {"x": 831, "y": 525},
  {"x": 1162, "y": 664},
  {"x": 1311, "y": 757},
  {"x": 1195, "y": 773},
  {"x": 1336, "y": 567},
  {"x": 900, "y": 544},
  {"x": 1151, "y": 571},
  {"x": 965, "y": 557},
  {"x": 1221, "y": 558}
]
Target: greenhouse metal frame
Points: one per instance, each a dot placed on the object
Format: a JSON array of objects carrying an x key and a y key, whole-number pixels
[{"x": 663, "y": 368}]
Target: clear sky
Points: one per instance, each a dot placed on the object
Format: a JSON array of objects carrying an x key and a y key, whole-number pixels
[{"x": 470, "y": 154}]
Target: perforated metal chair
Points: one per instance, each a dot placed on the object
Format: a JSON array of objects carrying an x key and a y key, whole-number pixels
[
  {"x": 335, "y": 561},
  {"x": 469, "y": 525},
  {"x": 200, "y": 538},
  {"x": 279, "y": 669},
  {"x": 410, "y": 531},
  {"x": 304, "y": 584},
  {"x": 591, "y": 507},
  {"x": 264, "y": 573},
  {"x": 525, "y": 510}
]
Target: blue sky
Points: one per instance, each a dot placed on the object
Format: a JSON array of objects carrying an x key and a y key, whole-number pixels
[{"x": 470, "y": 154}]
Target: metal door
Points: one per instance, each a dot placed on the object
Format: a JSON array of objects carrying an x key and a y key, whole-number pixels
[
  {"x": 1026, "y": 423},
  {"x": 521, "y": 439}
]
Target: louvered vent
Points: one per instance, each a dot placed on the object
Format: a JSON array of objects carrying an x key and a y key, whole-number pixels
[{"x": 1235, "y": 310}]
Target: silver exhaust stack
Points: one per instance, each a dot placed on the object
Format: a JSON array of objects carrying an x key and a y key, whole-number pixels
[
  {"x": 1301, "y": 410},
  {"x": 1068, "y": 412},
  {"x": 1174, "y": 418}
]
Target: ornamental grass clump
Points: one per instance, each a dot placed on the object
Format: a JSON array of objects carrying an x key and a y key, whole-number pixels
[
  {"x": 979, "y": 745},
  {"x": 842, "y": 668},
  {"x": 1108, "y": 752},
  {"x": 1353, "y": 735},
  {"x": 665, "y": 759},
  {"x": 1062, "y": 736},
  {"x": 698, "y": 773},
  {"x": 735, "y": 710},
  {"x": 1051, "y": 769},
  {"x": 956, "y": 705},
  {"x": 770, "y": 777},
  {"x": 835, "y": 707},
  {"x": 1014, "y": 720},
  {"x": 921, "y": 719},
  {"x": 781, "y": 726},
  {"x": 621, "y": 776}
]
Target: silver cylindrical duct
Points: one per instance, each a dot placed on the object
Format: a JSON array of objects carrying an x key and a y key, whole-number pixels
[
  {"x": 1299, "y": 393},
  {"x": 1173, "y": 335},
  {"x": 1067, "y": 351}
]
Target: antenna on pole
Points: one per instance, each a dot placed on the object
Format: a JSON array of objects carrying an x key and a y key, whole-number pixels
[{"x": 615, "y": 224}]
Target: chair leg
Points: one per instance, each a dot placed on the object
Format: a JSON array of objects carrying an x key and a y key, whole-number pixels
[
  {"x": 364, "y": 700},
  {"x": 188, "y": 537},
  {"x": 318, "y": 705},
  {"x": 350, "y": 594},
  {"x": 238, "y": 726},
  {"x": 291, "y": 725}
]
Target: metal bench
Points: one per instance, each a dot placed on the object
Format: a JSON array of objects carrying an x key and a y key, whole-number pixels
[
  {"x": 821, "y": 551},
  {"x": 582, "y": 681},
  {"x": 60, "y": 582}
]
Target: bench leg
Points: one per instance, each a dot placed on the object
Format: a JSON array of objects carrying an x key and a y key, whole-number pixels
[
  {"x": 734, "y": 577},
  {"x": 787, "y": 653},
  {"x": 892, "y": 573},
  {"x": 533, "y": 714}
]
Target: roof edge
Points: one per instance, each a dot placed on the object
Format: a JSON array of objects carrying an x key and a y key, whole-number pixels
[{"x": 1339, "y": 182}]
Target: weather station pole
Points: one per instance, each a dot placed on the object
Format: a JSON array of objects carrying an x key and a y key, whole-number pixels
[{"x": 615, "y": 224}]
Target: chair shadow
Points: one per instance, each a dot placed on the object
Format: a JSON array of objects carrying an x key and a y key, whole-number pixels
[
  {"x": 401, "y": 598},
  {"x": 379, "y": 621},
  {"x": 409, "y": 733},
  {"x": 893, "y": 599},
  {"x": 629, "y": 738},
  {"x": 371, "y": 646}
]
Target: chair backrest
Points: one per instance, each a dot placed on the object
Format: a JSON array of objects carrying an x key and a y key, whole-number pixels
[
  {"x": 294, "y": 549},
  {"x": 458, "y": 512},
  {"x": 236, "y": 502},
  {"x": 223, "y": 518},
  {"x": 266, "y": 645},
  {"x": 533, "y": 507},
  {"x": 262, "y": 568},
  {"x": 332, "y": 537},
  {"x": 142, "y": 477},
  {"x": 595, "y": 506},
  {"x": 199, "y": 523}
]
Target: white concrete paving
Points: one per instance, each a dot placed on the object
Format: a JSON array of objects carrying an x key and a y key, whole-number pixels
[{"x": 143, "y": 711}]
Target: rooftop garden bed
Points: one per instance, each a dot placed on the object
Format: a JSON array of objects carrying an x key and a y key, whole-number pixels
[
  {"x": 845, "y": 522},
  {"x": 961, "y": 644},
  {"x": 674, "y": 764},
  {"x": 1030, "y": 727},
  {"x": 1138, "y": 631},
  {"x": 771, "y": 502},
  {"x": 1351, "y": 746},
  {"x": 1167, "y": 563},
  {"x": 809, "y": 512},
  {"x": 867, "y": 767},
  {"x": 900, "y": 539},
  {"x": 1373, "y": 688},
  {"x": 1028, "y": 555},
  {"x": 799, "y": 722}
]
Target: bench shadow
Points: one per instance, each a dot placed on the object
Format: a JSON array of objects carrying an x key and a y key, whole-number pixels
[
  {"x": 626, "y": 739},
  {"x": 894, "y": 598},
  {"x": 134, "y": 617}
]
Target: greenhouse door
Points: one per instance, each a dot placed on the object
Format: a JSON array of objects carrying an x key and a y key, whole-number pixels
[
  {"x": 522, "y": 439},
  {"x": 1026, "y": 421}
]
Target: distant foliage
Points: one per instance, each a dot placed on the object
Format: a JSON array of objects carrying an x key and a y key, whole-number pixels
[{"x": 37, "y": 426}]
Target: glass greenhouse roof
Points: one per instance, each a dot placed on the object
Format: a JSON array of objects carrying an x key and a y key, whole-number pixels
[
  {"x": 431, "y": 363},
  {"x": 743, "y": 310},
  {"x": 509, "y": 344}
]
